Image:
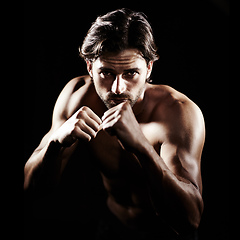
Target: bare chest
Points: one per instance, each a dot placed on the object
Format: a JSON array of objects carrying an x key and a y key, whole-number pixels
[
  {"x": 113, "y": 160},
  {"x": 122, "y": 174}
]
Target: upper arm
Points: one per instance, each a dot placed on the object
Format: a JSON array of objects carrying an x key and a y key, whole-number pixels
[
  {"x": 60, "y": 112},
  {"x": 184, "y": 142}
]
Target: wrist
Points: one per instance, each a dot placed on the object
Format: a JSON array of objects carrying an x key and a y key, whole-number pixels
[{"x": 54, "y": 144}]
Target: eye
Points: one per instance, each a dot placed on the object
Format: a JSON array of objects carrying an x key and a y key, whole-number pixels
[
  {"x": 131, "y": 74},
  {"x": 106, "y": 74}
]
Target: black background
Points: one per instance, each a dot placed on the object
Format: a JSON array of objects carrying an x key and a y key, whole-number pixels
[{"x": 192, "y": 37}]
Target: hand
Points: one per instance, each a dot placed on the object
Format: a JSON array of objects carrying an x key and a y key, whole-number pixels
[
  {"x": 84, "y": 124},
  {"x": 120, "y": 121}
]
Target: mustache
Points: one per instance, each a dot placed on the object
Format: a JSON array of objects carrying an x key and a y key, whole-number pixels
[{"x": 112, "y": 96}]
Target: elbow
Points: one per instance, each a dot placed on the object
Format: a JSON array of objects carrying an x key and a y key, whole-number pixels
[
  {"x": 194, "y": 222},
  {"x": 195, "y": 216},
  {"x": 192, "y": 219},
  {"x": 189, "y": 221},
  {"x": 190, "y": 224},
  {"x": 31, "y": 172},
  {"x": 27, "y": 177}
]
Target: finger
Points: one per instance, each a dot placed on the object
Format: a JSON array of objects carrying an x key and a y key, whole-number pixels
[
  {"x": 111, "y": 116},
  {"x": 107, "y": 114},
  {"x": 93, "y": 115},
  {"x": 86, "y": 111},
  {"x": 87, "y": 129},
  {"x": 80, "y": 134},
  {"x": 110, "y": 123},
  {"x": 113, "y": 110},
  {"x": 92, "y": 123},
  {"x": 89, "y": 117}
]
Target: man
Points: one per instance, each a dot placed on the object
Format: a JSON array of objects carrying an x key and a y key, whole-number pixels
[{"x": 145, "y": 140}]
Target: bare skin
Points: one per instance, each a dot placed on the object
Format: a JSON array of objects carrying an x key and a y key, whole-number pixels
[{"x": 147, "y": 142}]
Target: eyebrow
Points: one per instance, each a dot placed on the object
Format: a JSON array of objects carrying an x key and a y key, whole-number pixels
[
  {"x": 106, "y": 69},
  {"x": 132, "y": 70},
  {"x": 112, "y": 70}
]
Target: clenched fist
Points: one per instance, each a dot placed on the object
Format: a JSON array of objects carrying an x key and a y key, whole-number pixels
[
  {"x": 121, "y": 122},
  {"x": 84, "y": 124}
]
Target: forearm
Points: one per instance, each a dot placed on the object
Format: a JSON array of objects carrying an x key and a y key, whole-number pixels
[
  {"x": 43, "y": 167},
  {"x": 172, "y": 196}
]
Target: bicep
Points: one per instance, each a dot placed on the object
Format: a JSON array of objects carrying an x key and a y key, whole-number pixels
[
  {"x": 183, "y": 164},
  {"x": 183, "y": 147},
  {"x": 59, "y": 113}
]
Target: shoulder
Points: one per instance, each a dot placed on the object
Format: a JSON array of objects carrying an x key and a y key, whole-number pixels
[
  {"x": 74, "y": 85},
  {"x": 169, "y": 102},
  {"x": 66, "y": 100},
  {"x": 181, "y": 117},
  {"x": 165, "y": 95}
]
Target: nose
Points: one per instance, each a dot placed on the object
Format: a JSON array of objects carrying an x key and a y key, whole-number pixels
[{"x": 118, "y": 85}]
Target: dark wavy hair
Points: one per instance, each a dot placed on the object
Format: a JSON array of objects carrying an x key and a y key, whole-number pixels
[{"x": 117, "y": 31}]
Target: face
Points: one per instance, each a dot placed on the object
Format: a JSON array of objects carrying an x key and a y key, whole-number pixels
[{"x": 120, "y": 77}]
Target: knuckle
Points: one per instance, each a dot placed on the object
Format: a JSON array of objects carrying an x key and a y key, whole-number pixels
[
  {"x": 84, "y": 108},
  {"x": 95, "y": 126},
  {"x": 89, "y": 138},
  {"x": 79, "y": 123},
  {"x": 93, "y": 134},
  {"x": 81, "y": 112}
]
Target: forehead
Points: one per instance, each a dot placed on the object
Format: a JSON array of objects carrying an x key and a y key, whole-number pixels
[{"x": 126, "y": 59}]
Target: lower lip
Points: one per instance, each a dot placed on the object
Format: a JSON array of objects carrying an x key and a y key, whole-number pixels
[{"x": 118, "y": 101}]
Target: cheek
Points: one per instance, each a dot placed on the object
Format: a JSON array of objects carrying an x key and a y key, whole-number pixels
[
  {"x": 103, "y": 85},
  {"x": 138, "y": 83},
  {"x": 100, "y": 87}
]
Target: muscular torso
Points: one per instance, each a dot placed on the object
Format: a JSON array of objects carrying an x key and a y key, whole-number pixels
[
  {"x": 122, "y": 175},
  {"x": 123, "y": 179}
]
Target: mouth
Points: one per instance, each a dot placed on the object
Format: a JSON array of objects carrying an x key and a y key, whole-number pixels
[
  {"x": 113, "y": 100},
  {"x": 118, "y": 100}
]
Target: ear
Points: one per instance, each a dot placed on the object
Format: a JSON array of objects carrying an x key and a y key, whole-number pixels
[
  {"x": 149, "y": 69},
  {"x": 89, "y": 68}
]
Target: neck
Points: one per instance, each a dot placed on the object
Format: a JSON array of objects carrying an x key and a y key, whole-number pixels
[{"x": 139, "y": 105}]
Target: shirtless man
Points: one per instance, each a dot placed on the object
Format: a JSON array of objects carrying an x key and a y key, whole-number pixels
[{"x": 146, "y": 140}]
